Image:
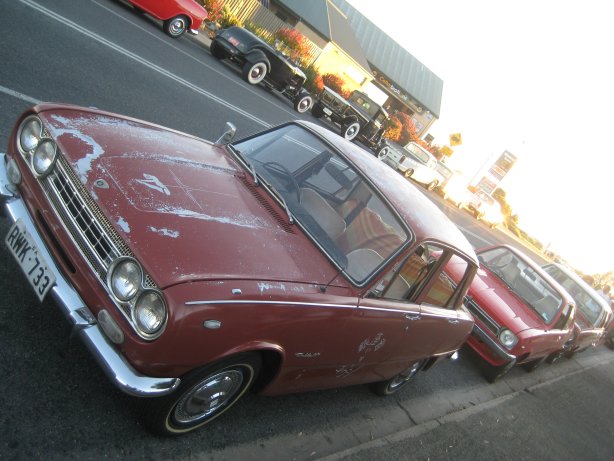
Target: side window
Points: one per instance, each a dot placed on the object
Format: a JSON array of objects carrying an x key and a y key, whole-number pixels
[{"x": 423, "y": 276}]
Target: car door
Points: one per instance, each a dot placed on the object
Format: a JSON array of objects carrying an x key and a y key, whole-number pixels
[{"x": 411, "y": 311}]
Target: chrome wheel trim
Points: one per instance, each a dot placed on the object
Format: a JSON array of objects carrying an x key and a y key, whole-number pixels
[
  {"x": 304, "y": 104},
  {"x": 208, "y": 396},
  {"x": 382, "y": 153},
  {"x": 403, "y": 377},
  {"x": 177, "y": 26},
  {"x": 351, "y": 131},
  {"x": 257, "y": 73}
]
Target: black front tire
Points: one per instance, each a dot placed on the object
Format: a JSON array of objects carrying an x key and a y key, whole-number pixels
[
  {"x": 533, "y": 364},
  {"x": 176, "y": 27},
  {"x": 350, "y": 131},
  {"x": 317, "y": 111},
  {"x": 302, "y": 103},
  {"x": 392, "y": 385},
  {"x": 495, "y": 373},
  {"x": 203, "y": 395}
]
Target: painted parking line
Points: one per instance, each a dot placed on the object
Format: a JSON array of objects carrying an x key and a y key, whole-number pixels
[
  {"x": 140, "y": 60},
  {"x": 18, "y": 95}
]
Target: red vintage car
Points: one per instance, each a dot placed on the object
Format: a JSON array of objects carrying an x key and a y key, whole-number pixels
[
  {"x": 522, "y": 315},
  {"x": 593, "y": 315},
  {"x": 291, "y": 260},
  {"x": 178, "y": 16}
]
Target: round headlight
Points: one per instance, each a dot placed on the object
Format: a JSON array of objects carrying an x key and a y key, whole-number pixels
[
  {"x": 508, "y": 339},
  {"x": 125, "y": 279},
  {"x": 30, "y": 134},
  {"x": 44, "y": 157},
  {"x": 149, "y": 312}
]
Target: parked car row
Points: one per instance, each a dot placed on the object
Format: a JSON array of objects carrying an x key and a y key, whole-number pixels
[{"x": 288, "y": 261}]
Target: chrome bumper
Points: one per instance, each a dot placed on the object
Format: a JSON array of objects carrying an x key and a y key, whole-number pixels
[
  {"x": 493, "y": 345},
  {"x": 82, "y": 320}
]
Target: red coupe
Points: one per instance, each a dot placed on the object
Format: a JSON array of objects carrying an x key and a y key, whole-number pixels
[{"x": 178, "y": 16}]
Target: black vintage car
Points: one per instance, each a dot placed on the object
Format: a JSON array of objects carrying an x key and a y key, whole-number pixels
[
  {"x": 359, "y": 117},
  {"x": 260, "y": 62}
]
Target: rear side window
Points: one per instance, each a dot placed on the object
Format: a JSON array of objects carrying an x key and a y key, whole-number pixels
[{"x": 422, "y": 278}]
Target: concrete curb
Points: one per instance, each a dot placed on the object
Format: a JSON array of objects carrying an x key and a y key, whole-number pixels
[{"x": 412, "y": 417}]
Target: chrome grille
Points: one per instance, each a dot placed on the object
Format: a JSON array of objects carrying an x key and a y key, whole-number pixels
[
  {"x": 93, "y": 234},
  {"x": 482, "y": 316}
]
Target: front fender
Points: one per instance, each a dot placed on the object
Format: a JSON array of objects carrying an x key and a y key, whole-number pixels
[{"x": 255, "y": 56}]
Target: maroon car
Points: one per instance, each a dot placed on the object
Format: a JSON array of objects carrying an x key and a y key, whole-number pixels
[
  {"x": 289, "y": 261},
  {"x": 522, "y": 315},
  {"x": 593, "y": 315},
  {"x": 177, "y": 16}
]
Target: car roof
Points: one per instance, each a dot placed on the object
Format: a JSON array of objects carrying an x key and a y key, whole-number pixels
[
  {"x": 585, "y": 286},
  {"x": 533, "y": 265},
  {"x": 423, "y": 217}
]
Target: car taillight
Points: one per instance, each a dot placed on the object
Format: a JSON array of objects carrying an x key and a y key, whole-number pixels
[{"x": 402, "y": 159}]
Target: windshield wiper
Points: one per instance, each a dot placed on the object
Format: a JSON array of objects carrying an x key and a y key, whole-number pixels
[
  {"x": 258, "y": 180},
  {"x": 246, "y": 162}
]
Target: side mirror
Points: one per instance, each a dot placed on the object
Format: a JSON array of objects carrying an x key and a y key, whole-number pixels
[{"x": 228, "y": 135}]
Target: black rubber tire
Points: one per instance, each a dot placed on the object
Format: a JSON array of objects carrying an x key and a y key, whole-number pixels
[
  {"x": 533, "y": 364},
  {"x": 383, "y": 152},
  {"x": 161, "y": 415},
  {"x": 392, "y": 385},
  {"x": 302, "y": 103},
  {"x": 254, "y": 72},
  {"x": 176, "y": 27},
  {"x": 216, "y": 51},
  {"x": 317, "y": 111},
  {"x": 408, "y": 173},
  {"x": 432, "y": 185},
  {"x": 350, "y": 131},
  {"x": 555, "y": 357},
  {"x": 494, "y": 374}
]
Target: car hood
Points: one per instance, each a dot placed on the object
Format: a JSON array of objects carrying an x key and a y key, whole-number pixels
[
  {"x": 501, "y": 304},
  {"x": 185, "y": 208}
]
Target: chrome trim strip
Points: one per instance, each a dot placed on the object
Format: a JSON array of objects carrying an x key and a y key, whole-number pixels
[
  {"x": 82, "y": 321},
  {"x": 497, "y": 348},
  {"x": 284, "y": 303}
]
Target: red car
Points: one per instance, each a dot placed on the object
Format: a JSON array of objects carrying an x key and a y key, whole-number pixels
[
  {"x": 593, "y": 315},
  {"x": 522, "y": 315},
  {"x": 178, "y": 16},
  {"x": 289, "y": 261}
]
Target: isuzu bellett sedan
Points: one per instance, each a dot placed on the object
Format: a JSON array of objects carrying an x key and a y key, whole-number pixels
[{"x": 193, "y": 271}]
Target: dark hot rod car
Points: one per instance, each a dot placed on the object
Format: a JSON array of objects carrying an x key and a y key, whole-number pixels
[
  {"x": 359, "y": 117},
  {"x": 260, "y": 62},
  {"x": 193, "y": 271}
]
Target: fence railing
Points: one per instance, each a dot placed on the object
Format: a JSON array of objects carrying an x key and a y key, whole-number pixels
[{"x": 252, "y": 11}]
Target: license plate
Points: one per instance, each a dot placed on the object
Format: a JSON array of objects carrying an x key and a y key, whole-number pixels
[
  {"x": 234, "y": 41},
  {"x": 25, "y": 251},
  {"x": 327, "y": 111}
]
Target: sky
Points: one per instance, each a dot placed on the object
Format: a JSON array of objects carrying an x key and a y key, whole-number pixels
[{"x": 535, "y": 78}]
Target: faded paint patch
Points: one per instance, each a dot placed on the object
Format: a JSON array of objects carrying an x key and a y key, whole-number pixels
[
  {"x": 262, "y": 286},
  {"x": 366, "y": 346},
  {"x": 154, "y": 183},
  {"x": 164, "y": 232},
  {"x": 121, "y": 222},
  {"x": 72, "y": 128}
]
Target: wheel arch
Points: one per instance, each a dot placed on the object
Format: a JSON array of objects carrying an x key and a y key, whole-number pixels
[
  {"x": 255, "y": 56},
  {"x": 272, "y": 355}
]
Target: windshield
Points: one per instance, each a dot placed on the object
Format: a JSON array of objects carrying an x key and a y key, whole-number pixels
[
  {"x": 364, "y": 103},
  {"x": 418, "y": 153},
  {"x": 536, "y": 292},
  {"x": 327, "y": 196},
  {"x": 585, "y": 303}
]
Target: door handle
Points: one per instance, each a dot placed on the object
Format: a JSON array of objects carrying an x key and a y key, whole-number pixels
[
  {"x": 412, "y": 316},
  {"x": 453, "y": 321}
]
